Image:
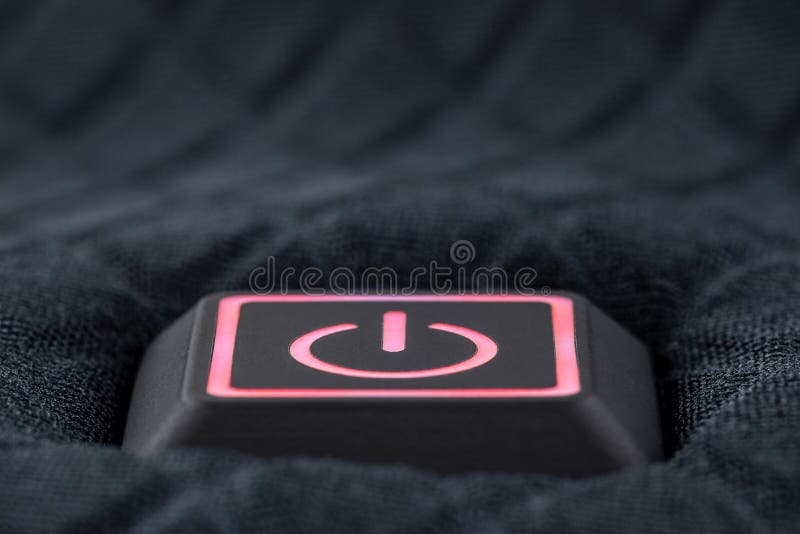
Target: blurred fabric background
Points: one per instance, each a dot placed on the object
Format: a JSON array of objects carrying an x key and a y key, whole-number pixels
[{"x": 644, "y": 154}]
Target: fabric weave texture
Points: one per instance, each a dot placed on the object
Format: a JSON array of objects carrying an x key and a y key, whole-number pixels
[{"x": 645, "y": 155}]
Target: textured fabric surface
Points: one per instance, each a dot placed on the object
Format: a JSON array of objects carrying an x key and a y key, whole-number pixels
[{"x": 645, "y": 155}]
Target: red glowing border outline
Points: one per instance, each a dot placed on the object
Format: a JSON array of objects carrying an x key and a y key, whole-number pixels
[{"x": 567, "y": 373}]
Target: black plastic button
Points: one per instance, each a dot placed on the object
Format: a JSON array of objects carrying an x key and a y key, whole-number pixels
[{"x": 450, "y": 383}]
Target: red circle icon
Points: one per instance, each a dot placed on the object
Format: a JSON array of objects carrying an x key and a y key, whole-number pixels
[{"x": 394, "y": 335}]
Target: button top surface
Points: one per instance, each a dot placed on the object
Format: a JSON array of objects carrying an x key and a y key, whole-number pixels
[{"x": 419, "y": 346}]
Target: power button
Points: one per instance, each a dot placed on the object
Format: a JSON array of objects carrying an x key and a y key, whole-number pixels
[{"x": 450, "y": 383}]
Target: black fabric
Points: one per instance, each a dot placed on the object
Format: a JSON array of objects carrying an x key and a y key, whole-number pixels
[{"x": 645, "y": 155}]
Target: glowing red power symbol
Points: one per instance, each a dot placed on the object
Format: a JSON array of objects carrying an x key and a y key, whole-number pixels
[{"x": 394, "y": 340}]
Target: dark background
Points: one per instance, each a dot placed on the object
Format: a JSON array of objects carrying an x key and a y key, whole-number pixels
[
  {"x": 643, "y": 154},
  {"x": 523, "y": 333}
]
